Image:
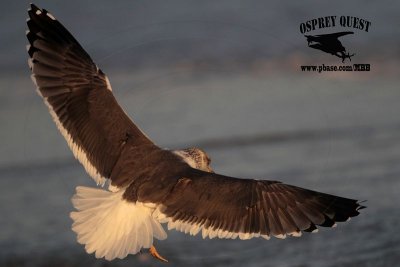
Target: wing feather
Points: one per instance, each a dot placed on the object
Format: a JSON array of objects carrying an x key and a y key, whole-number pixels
[
  {"x": 79, "y": 97},
  {"x": 230, "y": 207}
]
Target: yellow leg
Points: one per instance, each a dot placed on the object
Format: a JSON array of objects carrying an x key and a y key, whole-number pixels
[{"x": 155, "y": 254}]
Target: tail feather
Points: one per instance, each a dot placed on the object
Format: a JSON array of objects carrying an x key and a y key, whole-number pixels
[{"x": 111, "y": 227}]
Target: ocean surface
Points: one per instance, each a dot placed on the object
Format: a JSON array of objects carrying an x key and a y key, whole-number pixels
[{"x": 257, "y": 117}]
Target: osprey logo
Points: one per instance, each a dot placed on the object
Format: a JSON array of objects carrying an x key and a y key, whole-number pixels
[{"x": 329, "y": 42}]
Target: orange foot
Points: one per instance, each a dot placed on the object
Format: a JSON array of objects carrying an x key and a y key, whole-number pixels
[{"x": 155, "y": 254}]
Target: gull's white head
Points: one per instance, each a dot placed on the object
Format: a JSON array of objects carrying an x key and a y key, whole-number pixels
[{"x": 196, "y": 158}]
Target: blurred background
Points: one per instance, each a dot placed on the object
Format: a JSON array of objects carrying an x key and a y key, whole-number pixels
[{"x": 224, "y": 76}]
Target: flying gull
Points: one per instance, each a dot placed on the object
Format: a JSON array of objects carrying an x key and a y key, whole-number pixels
[{"x": 149, "y": 186}]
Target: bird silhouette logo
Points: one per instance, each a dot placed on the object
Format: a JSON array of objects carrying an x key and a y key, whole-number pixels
[{"x": 329, "y": 43}]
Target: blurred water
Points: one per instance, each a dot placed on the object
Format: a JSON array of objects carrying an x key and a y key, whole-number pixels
[
  {"x": 330, "y": 137},
  {"x": 338, "y": 133},
  {"x": 136, "y": 34}
]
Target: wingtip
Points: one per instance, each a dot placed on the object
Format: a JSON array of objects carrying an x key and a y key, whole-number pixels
[
  {"x": 36, "y": 11},
  {"x": 33, "y": 7},
  {"x": 360, "y": 207}
]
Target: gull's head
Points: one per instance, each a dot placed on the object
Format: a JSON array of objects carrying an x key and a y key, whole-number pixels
[{"x": 196, "y": 158}]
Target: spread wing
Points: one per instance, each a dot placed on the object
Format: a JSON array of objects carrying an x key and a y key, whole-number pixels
[
  {"x": 79, "y": 97},
  {"x": 335, "y": 35},
  {"x": 226, "y": 207}
]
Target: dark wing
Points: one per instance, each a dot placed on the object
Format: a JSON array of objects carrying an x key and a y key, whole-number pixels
[
  {"x": 79, "y": 96},
  {"x": 335, "y": 35},
  {"x": 225, "y": 207}
]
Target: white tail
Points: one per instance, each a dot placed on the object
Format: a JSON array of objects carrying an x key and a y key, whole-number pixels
[{"x": 112, "y": 227}]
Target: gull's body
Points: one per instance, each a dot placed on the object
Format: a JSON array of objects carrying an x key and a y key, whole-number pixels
[{"x": 150, "y": 186}]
